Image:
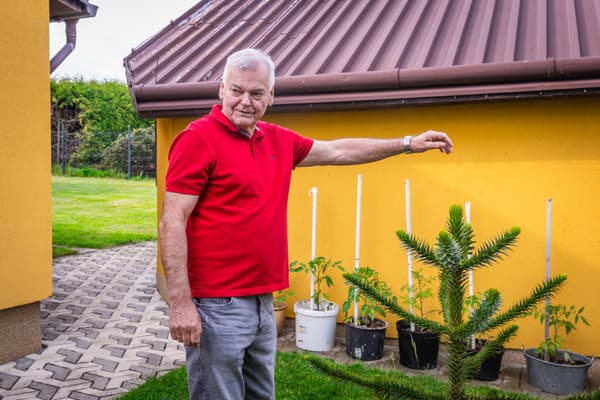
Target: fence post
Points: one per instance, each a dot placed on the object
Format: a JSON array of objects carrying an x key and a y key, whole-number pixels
[
  {"x": 128, "y": 151},
  {"x": 62, "y": 146},
  {"x": 58, "y": 141}
]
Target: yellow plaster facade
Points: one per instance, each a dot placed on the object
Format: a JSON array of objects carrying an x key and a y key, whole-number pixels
[
  {"x": 509, "y": 158},
  {"x": 25, "y": 194}
]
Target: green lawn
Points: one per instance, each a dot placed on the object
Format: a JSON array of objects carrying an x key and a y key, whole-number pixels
[
  {"x": 101, "y": 212},
  {"x": 295, "y": 379}
]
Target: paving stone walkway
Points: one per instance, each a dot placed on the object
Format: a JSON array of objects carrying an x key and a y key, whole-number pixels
[{"x": 104, "y": 330}]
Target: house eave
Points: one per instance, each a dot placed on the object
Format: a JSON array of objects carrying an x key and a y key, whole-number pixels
[
  {"x": 389, "y": 98},
  {"x": 304, "y": 92}
]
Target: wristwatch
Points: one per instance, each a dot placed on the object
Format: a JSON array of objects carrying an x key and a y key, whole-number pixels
[{"x": 406, "y": 143}]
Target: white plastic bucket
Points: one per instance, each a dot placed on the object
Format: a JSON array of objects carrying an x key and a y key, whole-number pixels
[{"x": 315, "y": 329}]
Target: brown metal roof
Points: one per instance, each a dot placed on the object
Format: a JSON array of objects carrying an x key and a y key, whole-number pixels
[{"x": 348, "y": 53}]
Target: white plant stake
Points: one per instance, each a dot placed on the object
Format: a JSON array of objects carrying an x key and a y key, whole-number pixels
[
  {"x": 357, "y": 241},
  {"x": 548, "y": 237},
  {"x": 468, "y": 213},
  {"x": 409, "y": 231},
  {"x": 313, "y": 244}
]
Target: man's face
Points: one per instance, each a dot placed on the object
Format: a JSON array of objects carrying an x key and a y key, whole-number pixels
[{"x": 246, "y": 96}]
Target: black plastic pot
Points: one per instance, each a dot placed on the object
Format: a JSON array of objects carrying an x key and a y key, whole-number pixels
[
  {"x": 490, "y": 368},
  {"x": 364, "y": 343},
  {"x": 418, "y": 349}
]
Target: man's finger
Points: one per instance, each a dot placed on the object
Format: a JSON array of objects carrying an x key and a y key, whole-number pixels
[
  {"x": 188, "y": 337},
  {"x": 175, "y": 335},
  {"x": 196, "y": 337}
]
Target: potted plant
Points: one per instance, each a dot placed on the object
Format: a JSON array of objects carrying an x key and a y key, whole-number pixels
[
  {"x": 454, "y": 254},
  {"x": 549, "y": 366},
  {"x": 364, "y": 333},
  {"x": 418, "y": 347},
  {"x": 490, "y": 367},
  {"x": 280, "y": 298},
  {"x": 316, "y": 317}
]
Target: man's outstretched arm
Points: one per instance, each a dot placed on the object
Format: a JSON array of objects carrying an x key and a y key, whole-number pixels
[{"x": 360, "y": 151}]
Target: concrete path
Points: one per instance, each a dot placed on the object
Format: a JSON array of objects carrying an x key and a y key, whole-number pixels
[{"x": 105, "y": 330}]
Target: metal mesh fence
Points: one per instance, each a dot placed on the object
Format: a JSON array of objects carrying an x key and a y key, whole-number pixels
[{"x": 130, "y": 153}]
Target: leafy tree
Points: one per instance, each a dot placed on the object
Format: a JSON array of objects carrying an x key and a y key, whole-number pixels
[
  {"x": 88, "y": 107},
  {"x": 142, "y": 153}
]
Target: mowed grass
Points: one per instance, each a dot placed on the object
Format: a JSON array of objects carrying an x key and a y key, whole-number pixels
[
  {"x": 101, "y": 212},
  {"x": 295, "y": 379}
]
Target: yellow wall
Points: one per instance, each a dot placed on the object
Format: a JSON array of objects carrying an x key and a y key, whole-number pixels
[
  {"x": 25, "y": 198},
  {"x": 509, "y": 158}
]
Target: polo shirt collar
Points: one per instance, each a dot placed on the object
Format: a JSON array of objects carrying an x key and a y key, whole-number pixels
[{"x": 217, "y": 113}]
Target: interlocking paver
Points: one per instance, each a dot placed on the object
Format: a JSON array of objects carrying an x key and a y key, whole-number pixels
[
  {"x": 23, "y": 363},
  {"x": 58, "y": 372},
  {"x": 155, "y": 344},
  {"x": 107, "y": 365},
  {"x": 45, "y": 391},
  {"x": 98, "y": 381},
  {"x": 159, "y": 333},
  {"x": 103, "y": 330},
  {"x": 7, "y": 381},
  {"x": 71, "y": 356}
]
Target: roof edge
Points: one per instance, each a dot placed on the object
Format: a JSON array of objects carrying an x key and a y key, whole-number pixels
[
  {"x": 370, "y": 99},
  {"x": 524, "y": 71}
]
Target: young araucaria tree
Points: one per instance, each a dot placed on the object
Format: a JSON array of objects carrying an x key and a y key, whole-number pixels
[{"x": 454, "y": 254}]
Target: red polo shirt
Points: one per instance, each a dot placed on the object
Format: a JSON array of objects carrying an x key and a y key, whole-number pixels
[{"x": 237, "y": 233}]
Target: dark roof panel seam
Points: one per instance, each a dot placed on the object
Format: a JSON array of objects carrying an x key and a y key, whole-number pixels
[
  {"x": 360, "y": 32},
  {"x": 412, "y": 28},
  {"x": 488, "y": 23},
  {"x": 432, "y": 35},
  {"x": 299, "y": 43},
  {"x": 389, "y": 35},
  {"x": 452, "y": 36},
  {"x": 277, "y": 36},
  {"x": 322, "y": 37},
  {"x": 346, "y": 31}
]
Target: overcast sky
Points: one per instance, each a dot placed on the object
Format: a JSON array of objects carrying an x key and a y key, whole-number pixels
[{"x": 103, "y": 41}]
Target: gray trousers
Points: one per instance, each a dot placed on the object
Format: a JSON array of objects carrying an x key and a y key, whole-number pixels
[{"x": 236, "y": 358}]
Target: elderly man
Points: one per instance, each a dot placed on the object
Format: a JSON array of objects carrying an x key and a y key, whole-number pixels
[{"x": 223, "y": 236}]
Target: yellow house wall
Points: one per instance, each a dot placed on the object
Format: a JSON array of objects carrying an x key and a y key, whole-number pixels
[
  {"x": 25, "y": 197},
  {"x": 509, "y": 158}
]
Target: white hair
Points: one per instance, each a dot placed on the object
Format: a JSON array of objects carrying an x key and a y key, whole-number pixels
[{"x": 248, "y": 59}]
